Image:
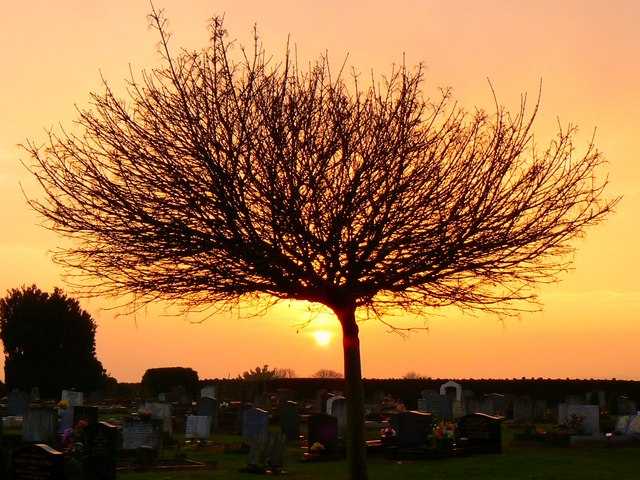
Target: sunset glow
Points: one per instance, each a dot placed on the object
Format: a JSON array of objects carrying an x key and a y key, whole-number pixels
[
  {"x": 323, "y": 337},
  {"x": 584, "y": 52}
]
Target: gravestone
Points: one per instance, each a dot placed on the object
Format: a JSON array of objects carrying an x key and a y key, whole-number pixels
[
  {"x": 290, "y": 420},
  {"x": 634, "y": 425},
  {"x": 72, "y": 397},
  {"x": 339, "y": 410},
  {"x": 39, "y": 425},
  {"x": 198, "y": 426},
  {"x": 161, "y": 411},
  {"x": 323, "y": 429},
  {"x": 321, "y": 400},
  {"x": 454, "y": 390},
  {"x": 412, "y": 428},
  {"x": 267, "y": 453},
  {"x": 626, "y": 406},
  {"x": 539, "y": 409},
  {"x": 18, "y": 403},
  {"x": 330, "y": 402},
  {"x": 99, "y": 454},
  {"x": 37, "y": 462},
  {"x": 590, "y": 414},
  {"x": 139, "y": 432},
  {"x": 622, "y": 424},
  {"x": 479, "y": 433},
  {"x": 208, "y": 391},
  {"x": 209, "y": 407},
  {"x": 255, "y": 421},
  {"x": 563, "y": 408},
  {"x": 523, "y": 410},
  {"x": 441, "y": 406}
]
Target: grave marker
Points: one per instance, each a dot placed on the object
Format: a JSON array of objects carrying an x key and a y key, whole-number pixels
[
  {"x": 480, "y": 433},
  {"x": 37, "y": 462},
  {"x": 161, "y": 411},
  {"x": 209, "y": 407},
  {"x": 634, "y": 425},
  {"x": 323, "y": 429},
  {"x": 523, "y": 410},
  {"x": 198, "y": 426},
  {"x": 39, "y": 425},
  {"x": 100, "y": 451},
  {"x": 18, "y": 403},
  {"x": 339, "y": 410},
  {"x": 290, "y": 420},
  {"x": 590, "y": 415},
  {"x": 138, "y": 432},
  {"x": 412, "y": 428},
  {"x": 255, "y": 421},
  {"x": 622, "y": 424}
]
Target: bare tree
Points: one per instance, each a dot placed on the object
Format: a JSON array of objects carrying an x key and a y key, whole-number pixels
[
  {"x": 222, "y": 181},
  {"x": 327, "y": 373}
]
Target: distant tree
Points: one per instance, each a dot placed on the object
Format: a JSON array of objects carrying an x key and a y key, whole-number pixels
[
  {"x": 285, "y": 373},
  {"x": 326, "y": 373},
  {"x": 222, "y": 181},
  {"x": 49, "y": 342},
  {"x": 264, "y": 374},
  {"x": 162, "y": 380},
  {"x": 414, "y": 376}
]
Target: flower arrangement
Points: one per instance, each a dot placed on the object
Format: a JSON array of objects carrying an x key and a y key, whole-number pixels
[
  {"x": 317, "y": 447},
  {"x": 444, "y": 429},
  {"x": 73, "y": 435},
  {"x": 388, "y": 432},
  {"x": 573, "y": 423},
  {"x": 63, "y": 404}
]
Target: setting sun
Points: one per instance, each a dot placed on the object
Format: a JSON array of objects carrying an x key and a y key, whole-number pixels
[{"x": 323, "y": 337}]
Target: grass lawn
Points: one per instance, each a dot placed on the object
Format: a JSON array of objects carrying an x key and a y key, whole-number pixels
[{"x": 539, "y": 463}]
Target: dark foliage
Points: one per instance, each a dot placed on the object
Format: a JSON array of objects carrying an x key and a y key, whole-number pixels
[
  {"x": 161, "y": 380},
  {"x": 49, "y": 342}
]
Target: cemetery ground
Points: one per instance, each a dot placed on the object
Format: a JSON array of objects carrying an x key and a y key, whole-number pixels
[
  {"x": 515, "y": 462},
  {"x": 221, "y": 460}
]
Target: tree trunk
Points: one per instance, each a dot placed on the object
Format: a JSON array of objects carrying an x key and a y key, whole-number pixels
[{"x": 354, "y": 392}]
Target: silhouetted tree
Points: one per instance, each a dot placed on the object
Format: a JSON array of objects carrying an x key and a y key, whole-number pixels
[
  {"x": 221, "y": 181},
  {"x": 162, "y": 380},
  {"x": 326, "y": 373},
  {"x": 49, "y": 342}
]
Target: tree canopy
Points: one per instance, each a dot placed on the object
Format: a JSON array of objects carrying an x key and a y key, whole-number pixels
[
  {"x": 223, "y": 179},
  {"x": 49, "y": 342}
]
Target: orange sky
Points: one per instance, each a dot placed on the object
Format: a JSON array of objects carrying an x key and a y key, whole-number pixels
[{"x": 586, "y": 52}]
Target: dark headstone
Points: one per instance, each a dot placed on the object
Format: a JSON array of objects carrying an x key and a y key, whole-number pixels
[
  {"x": 290, "y": 420},
  {"x": 480, "y": 433},
  {"x": 523, "y": 410},
  {"x": 412, "y": 428},
  {"x": 100, "y": 451},
  {"x": 255, "y": 421},
  {"x": 323, "y": 429},
  {"x": 18, "y": 403},
  {"x": 440, "y": 406},
  {"x": 37, "y": 462},
  {"x": 209, "y": 407}
]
